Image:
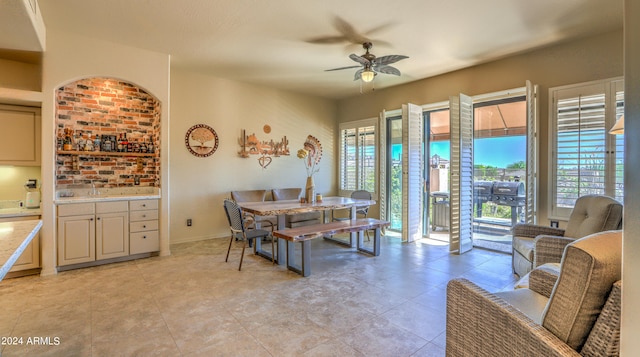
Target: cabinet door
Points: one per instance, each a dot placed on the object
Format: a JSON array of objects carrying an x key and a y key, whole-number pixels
[
  {"x": 76, "y": 239},
  {"x": 30, "y": 258},
  {"x": 112, "y": 235},
  {"x": 20, "y": 135}
]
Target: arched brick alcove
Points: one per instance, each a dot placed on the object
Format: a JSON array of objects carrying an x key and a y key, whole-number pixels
[{"x": 107, "y": 107}]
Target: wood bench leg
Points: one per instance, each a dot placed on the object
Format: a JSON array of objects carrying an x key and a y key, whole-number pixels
[
  {"x": 376, "y": 243},
  {"x": 304, "y": 268}
]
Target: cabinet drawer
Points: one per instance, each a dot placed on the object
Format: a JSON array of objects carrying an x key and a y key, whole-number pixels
[
  {"x": 143, "y": 226},
  {"x": 113, "y": 206},
  {"x": 144, "y": 242},
  {"x": 135, "y": 216},
  {"x": 76, "y": 209},
  {"x": 139, "y": 205}
]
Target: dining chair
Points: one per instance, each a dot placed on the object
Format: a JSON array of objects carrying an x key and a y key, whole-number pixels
[
  {"x": 239, "y": 230},
  {"x": 361, "y": 211},
  {"x": 251, "y": 221}
]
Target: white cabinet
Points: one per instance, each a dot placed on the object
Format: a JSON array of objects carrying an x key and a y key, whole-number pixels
[
  {"x": 112, "y": 229},
  {"x": 76, "y": 233},
  {"x": 143, "y": 216},
  {"x": 30, "y": 258},
  {"x": 20, "y": 135},
  {"x": 90, "y": 232}
]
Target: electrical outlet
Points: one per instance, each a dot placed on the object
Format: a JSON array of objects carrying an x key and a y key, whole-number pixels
[{"x": 189, "y": 222}]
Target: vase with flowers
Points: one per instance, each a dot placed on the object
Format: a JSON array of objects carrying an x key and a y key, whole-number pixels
[{"x": 310, "y": 154}]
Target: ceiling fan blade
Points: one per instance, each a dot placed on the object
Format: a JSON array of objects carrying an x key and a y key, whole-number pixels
[
  {"x": 350, "y": 34},
  {"x": 385, "y": 60},
  {"x": 363, "y": 61},
  {"x": 327, "y": 40},
  {"x": 340, "y": 68},
  {"x": 356, "y": 76},
  {"x": 387, "y": 70}
]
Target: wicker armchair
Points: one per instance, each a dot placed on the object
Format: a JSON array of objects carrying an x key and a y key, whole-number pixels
[
  {"x": 579, "y": 317},
  {"x": 591, "y": 214}
]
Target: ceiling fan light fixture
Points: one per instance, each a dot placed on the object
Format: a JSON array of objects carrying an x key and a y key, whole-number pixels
[{"x": 367, "y": 75}]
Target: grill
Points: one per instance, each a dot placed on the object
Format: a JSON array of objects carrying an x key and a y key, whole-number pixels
[{"x": 503, "y": 193}]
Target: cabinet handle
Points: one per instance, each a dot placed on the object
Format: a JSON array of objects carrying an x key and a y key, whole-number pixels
[
  {"x": 91, "y": 219},
  {"x": 144, "y": 226},
  {"x": 98, "y": 218},
  {"x": 144, "y": 237},
  {"x": 144, "y": 216},
  {"x": 144, "y": 205}
]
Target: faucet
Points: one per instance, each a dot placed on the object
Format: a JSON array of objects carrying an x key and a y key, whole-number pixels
[{"x": 94, "y": 191}]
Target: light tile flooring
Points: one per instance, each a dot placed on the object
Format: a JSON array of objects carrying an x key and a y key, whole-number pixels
[{"x": 192, "y": 303}]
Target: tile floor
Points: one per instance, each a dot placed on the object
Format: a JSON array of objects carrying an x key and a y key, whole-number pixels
[{"x": 192, "y": 303}]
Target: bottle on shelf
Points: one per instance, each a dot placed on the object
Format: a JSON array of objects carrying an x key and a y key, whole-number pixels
[
  {"x": 125, "y": 143},
  {"x": 107, "y": 143},
  {"x": 88, "y": 143},
  {"x": 150, "y": 148},
  {"x": 96, "y": 143},
  {"x": 67, "y": 143},
  {"x": 119, "y": 147},
  {"x": 143, "y": 146}
]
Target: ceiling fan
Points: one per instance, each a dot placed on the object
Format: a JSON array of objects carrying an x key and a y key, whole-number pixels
[{"x": 372, "y": 65}]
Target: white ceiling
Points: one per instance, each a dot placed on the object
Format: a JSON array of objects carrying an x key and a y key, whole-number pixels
[{"x": 267, "y": 42}]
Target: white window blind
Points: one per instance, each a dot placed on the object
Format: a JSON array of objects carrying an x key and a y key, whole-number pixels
[
  {"x": 580, "y": 147},
  {"x": 358, "y": 159},
  {"x": 587, "y": 159}
]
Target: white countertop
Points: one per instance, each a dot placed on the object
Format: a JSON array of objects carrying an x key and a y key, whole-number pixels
[
  {"x": 88, "y": 195},
  {"x": 14, "y": 239},
  {"x": 19, "y": 212},
  {"x": 104, "y": 198}
]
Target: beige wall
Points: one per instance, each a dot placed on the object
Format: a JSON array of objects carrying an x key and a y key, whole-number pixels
[
  {"x": 587, "y": 59},
  {"x": 199, "y": 185},
  {"x": 70, "y": 57},
  {"x": 20, "y": 75},
  {"x": 13, "y": 178}
]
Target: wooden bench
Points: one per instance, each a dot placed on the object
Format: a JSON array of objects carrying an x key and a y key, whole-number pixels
[{"x": 305, "y": 234}]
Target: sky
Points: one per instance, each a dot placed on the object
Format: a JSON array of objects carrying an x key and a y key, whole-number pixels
[{"x": 496, "y": 152}]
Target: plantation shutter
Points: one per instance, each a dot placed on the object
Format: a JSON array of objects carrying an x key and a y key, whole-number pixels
[
  {"x": 412, "y": 180},
  {"x": 461, "y": 166},
  {"x": 580, "y": 145},
  {"x": 382, "y": 146},
  {"x": 348, "y": 159},
  {"x": 531, "y": 207},
  {"x": 366, "y": 159}
]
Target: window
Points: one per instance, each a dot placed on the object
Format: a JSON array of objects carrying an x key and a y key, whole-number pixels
[
  {"x": 586, "y": 158},
  {"x": 358, "y": 156}
]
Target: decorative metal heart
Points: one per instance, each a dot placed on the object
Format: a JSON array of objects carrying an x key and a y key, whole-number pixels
[{"x": 264, "y": 161}]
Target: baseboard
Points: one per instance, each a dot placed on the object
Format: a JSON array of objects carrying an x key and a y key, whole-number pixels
[{"x": 197, "y": 238}]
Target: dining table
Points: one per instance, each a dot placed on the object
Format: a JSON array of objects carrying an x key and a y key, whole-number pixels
[{"x": 281, "y": 208}]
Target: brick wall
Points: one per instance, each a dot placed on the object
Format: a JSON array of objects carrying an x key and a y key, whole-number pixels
[{"x": 106, "y": 106}]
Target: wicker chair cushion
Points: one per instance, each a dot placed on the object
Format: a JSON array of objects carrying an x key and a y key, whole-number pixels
[
  {"x": 527, "y": 301},
  {"x": 590, "y": 266},
  {"x": 543, "y": 278},
  {"x": 592, "y": 214},
  {"x": 524, "y": 246}
]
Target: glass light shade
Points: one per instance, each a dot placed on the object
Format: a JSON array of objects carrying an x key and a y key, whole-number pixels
[
  {"x": 367, "y": 75},
  {"x": 618, "y": 127}
]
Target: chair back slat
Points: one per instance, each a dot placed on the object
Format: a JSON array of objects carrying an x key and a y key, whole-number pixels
[
  {"x": 234, "y": 215},
  {"x": 361, "y": 195}
]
